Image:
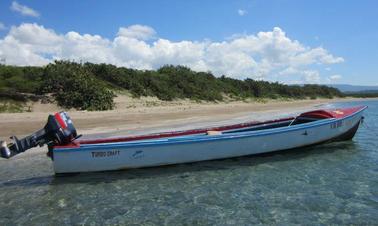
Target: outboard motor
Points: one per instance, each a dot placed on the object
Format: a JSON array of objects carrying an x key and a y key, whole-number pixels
[{"x": 59, "y": 130}]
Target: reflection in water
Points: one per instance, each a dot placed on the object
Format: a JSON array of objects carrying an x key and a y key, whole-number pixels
[{"x": 327, "y": 184}]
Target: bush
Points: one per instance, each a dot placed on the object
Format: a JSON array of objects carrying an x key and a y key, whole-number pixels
[
  {"x": 88, "y": 86},
  {"x": 11, "y": 106},
  {"x": 20, "y": 79},
  {"x": 74, "y": 87}
]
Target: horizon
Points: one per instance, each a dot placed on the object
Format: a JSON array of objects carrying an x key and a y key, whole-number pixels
[{"x": 290, "y": 43}]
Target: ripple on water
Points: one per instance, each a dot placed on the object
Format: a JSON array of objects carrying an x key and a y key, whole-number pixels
[{"x": 328, "y": 184}]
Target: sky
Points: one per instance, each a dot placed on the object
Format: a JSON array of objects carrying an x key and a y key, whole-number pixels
[{"x": 289, "y": 41}]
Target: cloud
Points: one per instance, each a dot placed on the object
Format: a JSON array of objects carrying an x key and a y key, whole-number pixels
[
  {"x": 290, "y": 71},
  {"x": 335, "y": 77},
  {"x": 242, "y": 12},
  {"x": 2, "y": 26},
  {"x": 317, "y": 55},
  {"x": 306, "y": 76},
  {"x": 311, "y": 77},
  {"x": 137, "y": 31},
  {"x": 24, "y": 10},
  {"x": 265, "y": 55}
]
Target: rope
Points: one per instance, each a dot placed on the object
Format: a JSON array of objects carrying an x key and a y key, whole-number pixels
[{"x": 368, "y": 127}]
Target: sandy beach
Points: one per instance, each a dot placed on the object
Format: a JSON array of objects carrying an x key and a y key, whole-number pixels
[{"x": 133, "y": 116}]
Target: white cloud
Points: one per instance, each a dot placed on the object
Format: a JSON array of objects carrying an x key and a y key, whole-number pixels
[
  {"x": 23, "y": 9},
  {"x": 306, "y": 76},
  {"x": 265, "y": 55},
  {"x": 311, "y": 77},
  {"x": 335, "y": 77},
  {"x": 289, "y": 71},
  {"x": 317, "y": 55},
  {"x": 34, "y": 35},
  {"x": 242, "y": 12},
  {"x": 2, "y": 26},
  {"x": 137, "y": 31},
  {"x": 295, "y": 82}
]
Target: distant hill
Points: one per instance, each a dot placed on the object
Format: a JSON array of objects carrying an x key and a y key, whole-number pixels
[
  {"x": 352, "y": 88},
  {"x": 363, "y": 92}
]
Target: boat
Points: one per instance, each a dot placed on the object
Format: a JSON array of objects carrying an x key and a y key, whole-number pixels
[{"x": 70, "y": 154}]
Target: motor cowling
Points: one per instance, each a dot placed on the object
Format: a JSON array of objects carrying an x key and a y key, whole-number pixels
[{"x": 59, "y": 130}]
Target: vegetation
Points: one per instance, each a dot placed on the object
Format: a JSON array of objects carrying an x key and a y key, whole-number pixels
[
  {"x": 75, "y": 87},
  {"x": 12, "y": 106},
  {"x": 364, "y": 94},
  {"x": 174, "y": 82},
  {"x": 71, "y": 85},
  {"x": 91, "y": 86}
]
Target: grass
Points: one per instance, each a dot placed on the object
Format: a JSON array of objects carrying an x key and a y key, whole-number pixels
[{"x": 12, "y": 106}]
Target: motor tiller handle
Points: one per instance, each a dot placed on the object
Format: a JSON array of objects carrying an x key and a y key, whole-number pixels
[{"x": 59, "y": 130}]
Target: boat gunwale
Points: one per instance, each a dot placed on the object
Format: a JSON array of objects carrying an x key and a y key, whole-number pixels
[
  {"x": 236, "y": 135},
  {"x": 178, "y": 133}
]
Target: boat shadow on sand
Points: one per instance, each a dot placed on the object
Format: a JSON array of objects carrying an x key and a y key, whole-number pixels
[{"x": 182, "y": 170}]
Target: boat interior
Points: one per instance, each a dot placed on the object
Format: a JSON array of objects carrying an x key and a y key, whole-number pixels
[{"x": 307, "y": 117}]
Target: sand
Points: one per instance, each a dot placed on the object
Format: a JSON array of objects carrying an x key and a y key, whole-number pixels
[{"x": 133, "y": 116}]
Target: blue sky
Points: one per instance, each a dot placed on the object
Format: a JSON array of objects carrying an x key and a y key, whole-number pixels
[{"x": 326, "y": 41}]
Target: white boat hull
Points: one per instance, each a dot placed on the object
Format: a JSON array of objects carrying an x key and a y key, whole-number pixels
[{"x": 116, "y": 156}]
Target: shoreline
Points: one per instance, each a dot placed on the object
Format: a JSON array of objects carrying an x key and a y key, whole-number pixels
[{"x": 158, "y": 117}]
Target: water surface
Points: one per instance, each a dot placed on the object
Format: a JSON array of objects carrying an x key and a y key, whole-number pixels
[{"x": 328, "y": 184}]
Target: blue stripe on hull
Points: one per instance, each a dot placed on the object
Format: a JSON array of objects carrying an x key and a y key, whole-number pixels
[{"x": 195, "y": 139}]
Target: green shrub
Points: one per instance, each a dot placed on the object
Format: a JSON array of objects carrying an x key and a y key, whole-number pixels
[
  {"x": 88, "y": 86},
  {"x": 20, "y": 79},
  {"x": 11, "y": 106},
  {"x": 74, "y": 87}
]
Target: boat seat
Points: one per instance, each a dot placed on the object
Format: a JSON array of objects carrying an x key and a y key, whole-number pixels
[{"x": 213, "y": 132}]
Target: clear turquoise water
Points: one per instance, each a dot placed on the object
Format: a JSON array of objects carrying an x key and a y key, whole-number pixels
[{"x": 327, "y": 184}]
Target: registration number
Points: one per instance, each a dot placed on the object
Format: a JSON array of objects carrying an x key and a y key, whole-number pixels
[
  {"x": 336, "y": 124},
  {"x": 101, "y": 154}
]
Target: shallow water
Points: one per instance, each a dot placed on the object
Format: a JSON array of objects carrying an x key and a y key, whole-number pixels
[{"x": 327, "y": 184}]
